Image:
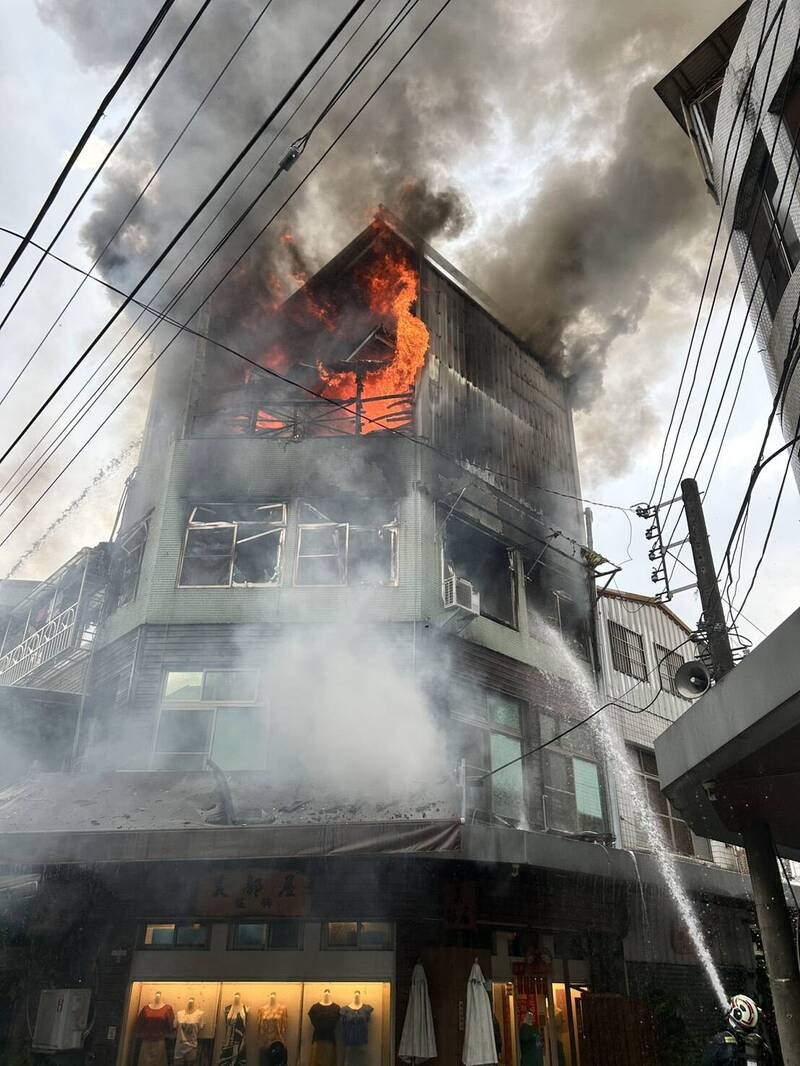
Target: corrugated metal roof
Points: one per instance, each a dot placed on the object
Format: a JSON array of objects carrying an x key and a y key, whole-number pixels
[
  {"x": 703, "y": 65},
  {"x": 638, "y": 598}
]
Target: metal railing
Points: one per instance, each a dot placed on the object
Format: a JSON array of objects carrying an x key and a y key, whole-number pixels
[{"x": 55, "y": 637}]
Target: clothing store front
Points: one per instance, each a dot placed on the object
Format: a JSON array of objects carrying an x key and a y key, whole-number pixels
[{"x": 243, "y": 994}]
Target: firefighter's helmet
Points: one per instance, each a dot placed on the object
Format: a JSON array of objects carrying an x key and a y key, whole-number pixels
[{"x": 743, "y": 1013}]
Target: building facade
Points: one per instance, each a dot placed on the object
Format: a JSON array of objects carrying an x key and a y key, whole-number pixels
[
  {"x": 737, "y": 96},
  {"x": 323, "y": 667}
]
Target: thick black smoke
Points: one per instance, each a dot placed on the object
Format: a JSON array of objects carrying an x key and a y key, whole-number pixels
[{"x": 525, "y": 138}]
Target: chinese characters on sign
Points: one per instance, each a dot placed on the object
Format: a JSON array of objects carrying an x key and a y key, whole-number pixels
[{"x": 272, "y": 893}]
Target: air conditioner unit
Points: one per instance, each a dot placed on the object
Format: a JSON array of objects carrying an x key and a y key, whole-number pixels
[
  {"x": 457, "y": 592},
  {"x": 62, "y": 1019}
]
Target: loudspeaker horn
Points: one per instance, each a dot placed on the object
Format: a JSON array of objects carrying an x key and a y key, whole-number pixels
[{"x": 692, "y": 680}]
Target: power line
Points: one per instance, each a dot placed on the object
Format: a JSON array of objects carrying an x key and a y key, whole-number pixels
[
  {"x": 593, "y": 714},
  {"x": 404, "y": 11},
  {"x": 187, "y": 253},
  {"x": 744, "y": 101},
  {"x": 345, "y": 406},
  {"x": 192, "y": 217},
  {"x": 152, "y": 87},
  {"x": 758, "y": 192},
  {"x": 97, "y": 172},
  {"x": 76, "y": 151}
]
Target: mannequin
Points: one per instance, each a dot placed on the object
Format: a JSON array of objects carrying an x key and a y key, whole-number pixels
[
  {"x": 324, "y": 1019},
  {"x": 355, "y": 1026},
  {"x": 530, "y": 1042},
  {"x": 155, "y": 1022},
  {"x": 188, "y": 1026},
  {"x": 273, "y": 1021},
  {"x": 233, "y": 1051}
]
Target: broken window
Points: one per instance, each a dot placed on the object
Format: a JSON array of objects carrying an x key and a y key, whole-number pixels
[
  {"x": 234, "y": 545},
  {"x": 347, "y": 542},
  {"x": 473, "y": 559},
  {"x": 627, "y": 651},
  {"x": 129, "y": 563},
  {"x": 573, "y": 796},
  {"x": 211, "y": 714}
]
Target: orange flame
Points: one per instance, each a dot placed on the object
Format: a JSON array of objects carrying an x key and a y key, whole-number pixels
[{"x": 391, "y": 286}]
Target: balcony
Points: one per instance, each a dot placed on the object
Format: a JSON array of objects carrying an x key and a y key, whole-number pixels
[{"x": 50, "y": 633}]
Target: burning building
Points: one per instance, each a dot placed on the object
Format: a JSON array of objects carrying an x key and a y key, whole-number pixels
[{"x": 313, "y": 669}]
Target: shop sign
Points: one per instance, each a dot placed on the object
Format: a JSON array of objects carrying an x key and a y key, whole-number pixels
[
  {"x": 461, "y": 906},
  {"x": 276, "y": 893},
  {"x": 537, "y": 964}
]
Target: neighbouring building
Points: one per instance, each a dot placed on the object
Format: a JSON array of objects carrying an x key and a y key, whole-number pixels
[
  {"x": 737, "y": 96},
  {"x": 304, "y": 689}
]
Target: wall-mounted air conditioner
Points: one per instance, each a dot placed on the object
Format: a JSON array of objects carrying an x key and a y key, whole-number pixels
[
  {"x": 457, "y": 592},
  {"x": 62, "y": 1019}
]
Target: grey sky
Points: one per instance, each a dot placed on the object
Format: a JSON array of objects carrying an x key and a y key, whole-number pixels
[{"x": 545, "y": 125}]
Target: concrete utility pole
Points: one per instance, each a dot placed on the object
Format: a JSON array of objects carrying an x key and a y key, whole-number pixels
[{"x": 771, "y": 909}]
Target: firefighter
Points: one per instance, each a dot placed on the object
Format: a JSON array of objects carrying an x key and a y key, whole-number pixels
[{"x": 740, "y": 1044}]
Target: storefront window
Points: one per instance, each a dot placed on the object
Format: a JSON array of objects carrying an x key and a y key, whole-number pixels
[
  {"x": 176, "y": 935},
  {"x": 368, "y": 936},
  {"x": 227, "y": 1021}
]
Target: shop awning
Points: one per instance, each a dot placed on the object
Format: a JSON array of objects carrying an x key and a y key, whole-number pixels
[{"x": 129, "y": 817}]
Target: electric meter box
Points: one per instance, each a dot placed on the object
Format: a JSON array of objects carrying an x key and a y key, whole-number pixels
[{"x": 62, "y": 1019}]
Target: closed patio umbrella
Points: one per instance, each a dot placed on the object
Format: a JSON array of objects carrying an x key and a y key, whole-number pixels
[
  {"x": 479, "y": 1044},
  {"x": 418, "y": 1041}
]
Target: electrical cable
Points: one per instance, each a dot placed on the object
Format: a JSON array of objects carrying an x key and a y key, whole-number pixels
[
  {"x": 759, "y": 192},
  {"x": 187, "y": 253},
  {"x": 243, "y": 152},
  {"x": 406, "y": 8},
  {"x": 342, "y": 405},
  {"x": 141, "y": 194},
  {"x": 76, "y": 151},
  {"x": 744, "y": 100},
  {"x": 97, "y": 172},
  {"x": 593, "y": 714}
]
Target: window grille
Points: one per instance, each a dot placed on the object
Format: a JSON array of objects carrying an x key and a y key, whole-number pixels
[
  {"x": 669, "y": 662},
  {"x": 627, "y": 651}
]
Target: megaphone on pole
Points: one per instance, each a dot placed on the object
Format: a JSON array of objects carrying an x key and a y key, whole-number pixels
[{"x": 692, "y": 679}]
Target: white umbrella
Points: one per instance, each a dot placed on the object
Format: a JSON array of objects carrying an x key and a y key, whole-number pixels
[
  {"x": 479, "y": 1046},
  {"x": 418, "y": 1041}
]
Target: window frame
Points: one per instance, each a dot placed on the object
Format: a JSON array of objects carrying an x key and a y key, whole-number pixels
[
  {"x": 490, "y": 727},
  {"x": 614, "y": 644},
  {"x": 140, "y": 529},
  {"x": 279, "y": 528},
  {"x": 268, "y": 923},
  {"x": 325, "y": 944},
  {"x": 176, "y": 926},
  {"x": 669, "y": 816},
  {"x": 449, "y": 572},
  {"x": 665, "y": 658},
  {"x": 213, "y": 706},
  {"x": 562, "y": 751},
  {"x": 343, "y": 555}
]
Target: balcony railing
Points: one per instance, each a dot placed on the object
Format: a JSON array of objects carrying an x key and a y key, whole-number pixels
[
  {"x": 247, "y": 416},
  {"x": 55, "y": 637}
]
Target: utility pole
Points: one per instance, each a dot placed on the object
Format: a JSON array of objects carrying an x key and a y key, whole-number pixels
[{"x": 762, "y": 859}]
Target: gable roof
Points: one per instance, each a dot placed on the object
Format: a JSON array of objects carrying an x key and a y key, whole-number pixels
[{"x": 651, "y": 601}]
